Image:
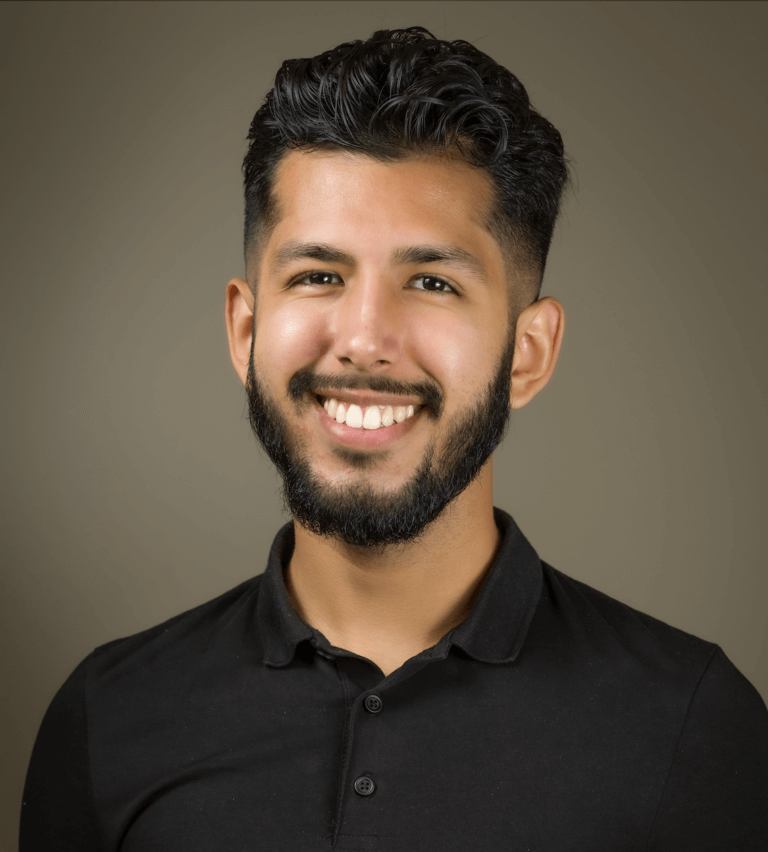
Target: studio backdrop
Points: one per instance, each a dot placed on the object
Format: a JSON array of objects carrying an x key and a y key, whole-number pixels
[{"x": 131, "y": 485}]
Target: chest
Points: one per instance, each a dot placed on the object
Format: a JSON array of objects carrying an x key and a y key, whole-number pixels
[{"x": 452, "y": 758}]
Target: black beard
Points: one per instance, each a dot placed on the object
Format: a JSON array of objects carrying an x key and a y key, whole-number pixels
[{"x": 357, "y": 514}]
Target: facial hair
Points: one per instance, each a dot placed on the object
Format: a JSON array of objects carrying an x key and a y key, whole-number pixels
[{"x": 357, "y": 513}]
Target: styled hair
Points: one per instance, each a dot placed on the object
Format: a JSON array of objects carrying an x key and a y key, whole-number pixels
[{"x": 403, "y": 93}]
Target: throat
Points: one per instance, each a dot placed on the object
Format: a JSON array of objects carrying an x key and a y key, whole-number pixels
[{"x": 390, "y": 605}]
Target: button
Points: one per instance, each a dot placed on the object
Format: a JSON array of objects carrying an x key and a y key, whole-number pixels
[
  {"x": 364, "y": 786},
  {"x": 372, "y": 703}
]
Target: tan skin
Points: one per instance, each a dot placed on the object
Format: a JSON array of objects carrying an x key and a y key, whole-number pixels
[{"x": 373, "y": 311}]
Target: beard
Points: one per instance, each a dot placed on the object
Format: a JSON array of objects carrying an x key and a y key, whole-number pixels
[{"x": 357, "y": 513}]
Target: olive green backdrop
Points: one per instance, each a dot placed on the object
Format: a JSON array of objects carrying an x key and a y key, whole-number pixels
[{"x": 131, "y": 487}]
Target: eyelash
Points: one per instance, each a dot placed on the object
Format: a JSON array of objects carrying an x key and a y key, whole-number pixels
[{"x": 303, "y": 278}]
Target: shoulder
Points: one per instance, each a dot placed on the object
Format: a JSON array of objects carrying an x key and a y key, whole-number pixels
[
  {"x": 670, "y": 693},
  {"x": 122, "y": 703},
  {"x": 595, "y": 641},
  {"x": 607, "y": 627},
  {"x": 167, "y": 649}
]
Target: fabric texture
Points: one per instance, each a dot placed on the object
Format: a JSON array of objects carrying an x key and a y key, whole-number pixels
[{"x": 552, "y": 718}]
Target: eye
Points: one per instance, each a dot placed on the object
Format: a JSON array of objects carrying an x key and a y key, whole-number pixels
[
  {"x": 316, "y": 279},
  {"x": 432, "y": 284}
]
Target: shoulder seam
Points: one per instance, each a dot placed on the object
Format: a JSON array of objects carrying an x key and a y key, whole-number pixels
[{"x": 715, "y": 650}]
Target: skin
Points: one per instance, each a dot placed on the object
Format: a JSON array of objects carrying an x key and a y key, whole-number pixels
[{"x": 375, "y": 315}]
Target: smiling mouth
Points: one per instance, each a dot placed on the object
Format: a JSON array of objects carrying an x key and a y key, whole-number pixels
[{"x": 367, "y": 416}]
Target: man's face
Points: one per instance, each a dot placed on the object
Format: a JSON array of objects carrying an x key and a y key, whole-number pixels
[{"x": 381, "y": 358}]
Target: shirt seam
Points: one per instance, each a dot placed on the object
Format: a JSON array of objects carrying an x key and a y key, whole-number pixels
[
  {"x": 345, "y": 747},
  {"x": 677, "y": 745}
]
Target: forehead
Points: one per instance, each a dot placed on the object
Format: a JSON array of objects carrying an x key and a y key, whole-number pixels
[
  {"x": 437, "y": 176},
  {"x": 333, "y": 195}
]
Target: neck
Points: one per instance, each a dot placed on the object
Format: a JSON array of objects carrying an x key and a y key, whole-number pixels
[{"x": 389, "y": 604}]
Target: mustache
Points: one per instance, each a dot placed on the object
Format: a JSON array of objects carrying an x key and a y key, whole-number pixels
[{"x": 306, "y": 379}]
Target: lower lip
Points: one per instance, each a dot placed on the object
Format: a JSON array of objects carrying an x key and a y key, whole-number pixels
[{"x": 364, "y": 439}]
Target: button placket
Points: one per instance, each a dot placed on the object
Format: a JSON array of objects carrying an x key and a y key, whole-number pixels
[{"x": 354, "y": 816}]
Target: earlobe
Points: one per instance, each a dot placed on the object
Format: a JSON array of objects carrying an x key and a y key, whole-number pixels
[
  {"x": 539, "y": 335},
  {"x": 238, "y": 316}
]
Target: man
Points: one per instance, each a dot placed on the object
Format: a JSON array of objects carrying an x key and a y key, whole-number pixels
[{"x": 407, "y": 674}]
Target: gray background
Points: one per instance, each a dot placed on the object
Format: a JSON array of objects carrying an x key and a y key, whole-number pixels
[{"x": 131, "y": 486}]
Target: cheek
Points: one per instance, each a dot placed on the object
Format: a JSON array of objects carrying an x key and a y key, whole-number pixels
[
  {"x": 456, "y": 354},
  {"x": 290, "y": 337}
]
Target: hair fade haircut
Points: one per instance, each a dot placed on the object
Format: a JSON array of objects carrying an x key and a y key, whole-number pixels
[{"x": 404, "y": 93}]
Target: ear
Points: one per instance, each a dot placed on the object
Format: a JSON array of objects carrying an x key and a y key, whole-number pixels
[
  {"x": 238, "y": 315},
  {"x": 538, "y": 337}
]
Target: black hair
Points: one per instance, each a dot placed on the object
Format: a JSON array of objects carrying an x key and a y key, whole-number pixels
[{"x": 403, "y": 93}]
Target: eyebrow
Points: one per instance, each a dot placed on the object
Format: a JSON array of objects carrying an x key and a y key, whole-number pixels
[
  {"x": 452, "y": 255},
  {"x": 294, "y": 250},
  {"x": 412, "y": 255}
]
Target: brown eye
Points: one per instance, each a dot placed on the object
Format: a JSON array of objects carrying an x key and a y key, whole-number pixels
[
  {"x": 432, "y": 284},
  {"x": 317, "y": 279}
]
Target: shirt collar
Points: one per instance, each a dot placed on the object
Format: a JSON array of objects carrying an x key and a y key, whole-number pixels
[{"x": 493, "y": 632}]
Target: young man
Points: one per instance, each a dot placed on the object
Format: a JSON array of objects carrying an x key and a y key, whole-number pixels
[{"x": 407, "y": 674}]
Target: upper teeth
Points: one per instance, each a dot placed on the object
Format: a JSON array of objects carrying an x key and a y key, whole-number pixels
[{"x": 368, "y": 417}]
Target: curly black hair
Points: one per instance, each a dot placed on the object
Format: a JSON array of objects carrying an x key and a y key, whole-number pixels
[{"x": 405, "y": 92}]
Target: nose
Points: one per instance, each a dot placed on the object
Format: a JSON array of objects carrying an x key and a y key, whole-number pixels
[{"x": 367, "y": 325}]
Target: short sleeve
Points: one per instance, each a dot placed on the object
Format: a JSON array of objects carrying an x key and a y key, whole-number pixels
[
  {"x": 57, "y": 812},
  {"x": 716, "y": 796}
]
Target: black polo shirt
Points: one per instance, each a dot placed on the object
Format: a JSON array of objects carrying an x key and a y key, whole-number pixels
[{"x": 552, "y": 719}]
